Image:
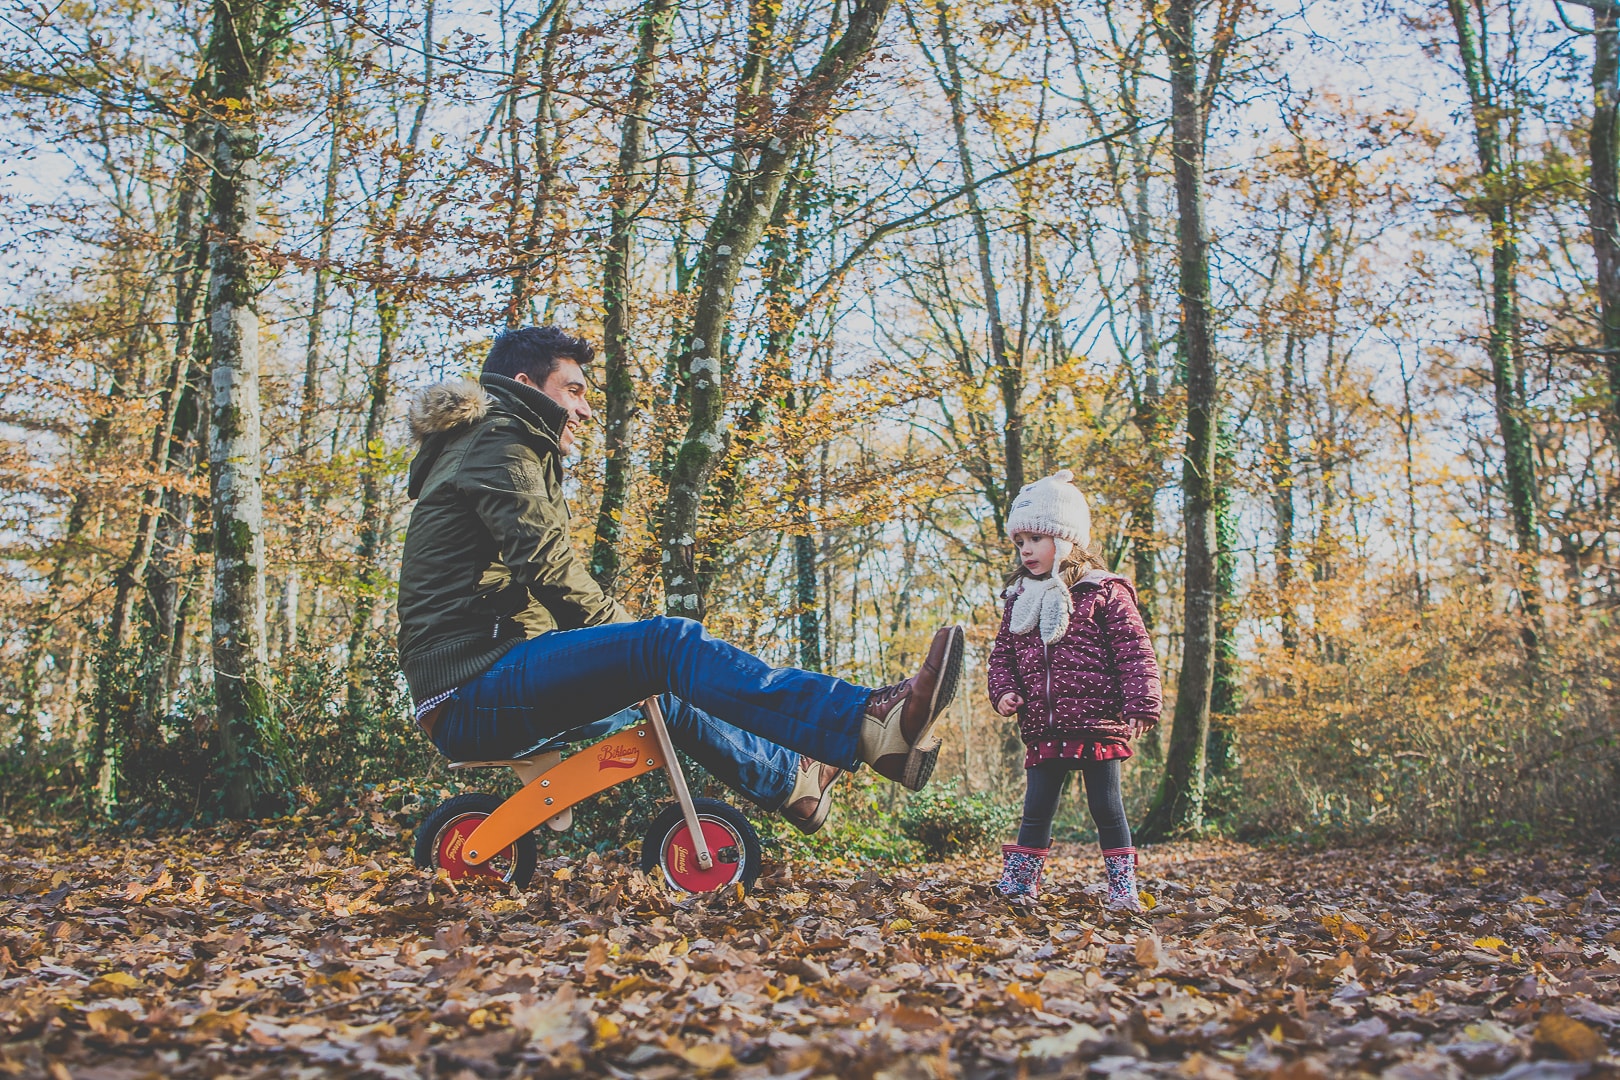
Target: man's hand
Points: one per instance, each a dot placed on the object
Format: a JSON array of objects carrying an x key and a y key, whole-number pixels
[{"x": 1010, "y": 703}]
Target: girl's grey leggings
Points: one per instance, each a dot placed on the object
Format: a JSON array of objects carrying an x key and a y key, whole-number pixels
[{"x": 1044, "y": 786}]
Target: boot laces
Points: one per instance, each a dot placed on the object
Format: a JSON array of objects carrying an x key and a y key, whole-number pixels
[{"x": 884, "y": 699}]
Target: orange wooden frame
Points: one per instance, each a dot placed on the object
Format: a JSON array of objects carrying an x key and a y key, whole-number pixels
[{"x": 621, "y": 756}]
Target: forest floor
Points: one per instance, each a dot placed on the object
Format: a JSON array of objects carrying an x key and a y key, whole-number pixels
[{"x": 311, "y": 948}]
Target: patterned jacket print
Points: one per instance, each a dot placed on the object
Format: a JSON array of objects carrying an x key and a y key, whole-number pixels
[{"x": 1094, "y": 680}]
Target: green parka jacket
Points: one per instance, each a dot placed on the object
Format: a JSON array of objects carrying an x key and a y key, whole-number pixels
[{"x": 488, "y": 560}]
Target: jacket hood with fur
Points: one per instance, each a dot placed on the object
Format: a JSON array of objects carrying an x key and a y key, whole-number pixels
[
  {"x": 440, "y": 412},
  {"x": 445, "y": 406}
]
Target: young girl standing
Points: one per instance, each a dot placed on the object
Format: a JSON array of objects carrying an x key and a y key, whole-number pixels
[{"x": 1073, "y": 660}]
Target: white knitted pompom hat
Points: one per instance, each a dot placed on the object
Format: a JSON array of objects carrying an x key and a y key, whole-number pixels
[{"x": 1054, "y": 507}]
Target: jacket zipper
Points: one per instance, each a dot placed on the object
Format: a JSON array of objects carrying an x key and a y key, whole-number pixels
[
  {"x": 1051, "y": 710},
  {"x": 495, "y": 634}
]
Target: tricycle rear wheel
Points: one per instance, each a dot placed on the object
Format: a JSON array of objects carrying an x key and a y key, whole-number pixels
[{"x": 441, "y": 842}]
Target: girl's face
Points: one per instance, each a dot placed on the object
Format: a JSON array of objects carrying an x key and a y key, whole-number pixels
[{"x": 1035, "y": 551}]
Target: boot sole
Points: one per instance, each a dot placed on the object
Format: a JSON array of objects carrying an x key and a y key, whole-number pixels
[
  {"x": 815, "y": 821},
  {"x": 921, "y": 760}
]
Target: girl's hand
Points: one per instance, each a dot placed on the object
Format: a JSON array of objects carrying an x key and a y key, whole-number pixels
[
  {"x": 1141, "y": 725},
  {"x": 1010, "y": 703}
]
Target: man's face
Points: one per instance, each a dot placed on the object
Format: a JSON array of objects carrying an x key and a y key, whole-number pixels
[{"x": 566, "y": 386}]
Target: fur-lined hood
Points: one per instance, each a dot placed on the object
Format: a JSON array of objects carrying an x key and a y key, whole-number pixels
[
  {"x": 441, "y": 413},
  {"x": 445, "y": 406}
]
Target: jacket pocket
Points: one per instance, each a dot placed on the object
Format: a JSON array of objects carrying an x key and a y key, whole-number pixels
[{"x": 490, "y": 613}]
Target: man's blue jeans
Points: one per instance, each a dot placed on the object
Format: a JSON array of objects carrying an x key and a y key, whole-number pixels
[{"x": 743, "y": 720}]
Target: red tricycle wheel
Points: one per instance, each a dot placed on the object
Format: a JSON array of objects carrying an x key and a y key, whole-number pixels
[
  {"x": 452, "y": 842},
  {"x": 441, "y": 843},
  {"x": 731, "y": 839}
]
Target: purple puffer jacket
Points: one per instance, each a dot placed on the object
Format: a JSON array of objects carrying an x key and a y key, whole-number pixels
[{"x": 1098, "y": 677}]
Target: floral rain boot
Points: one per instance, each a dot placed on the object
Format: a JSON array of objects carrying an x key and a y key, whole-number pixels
[
  {"x": 1021, "y": 870},
  {"x": 1121, "y": 866}
]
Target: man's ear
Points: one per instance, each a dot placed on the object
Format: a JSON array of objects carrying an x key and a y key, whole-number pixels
[{"x": 523, "y": 378}]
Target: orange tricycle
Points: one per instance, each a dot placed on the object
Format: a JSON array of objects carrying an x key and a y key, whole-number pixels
[{"x": 699, "y": 845}]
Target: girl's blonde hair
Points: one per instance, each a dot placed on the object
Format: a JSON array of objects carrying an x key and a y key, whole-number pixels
[{"x": 1071, "y": 569}]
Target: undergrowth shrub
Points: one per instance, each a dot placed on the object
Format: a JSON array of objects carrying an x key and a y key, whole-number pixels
[
  {"x": 144, "y": 764},
  {"x": 1435, "y": 725},
  {"x": 343, "y": 741},
  {"x": 860, "y": 830},
  {"x": 945, "y": 822}
]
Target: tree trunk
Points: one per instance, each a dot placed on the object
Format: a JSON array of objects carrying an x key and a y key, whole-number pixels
[
  {"x": 805, "y": 596},
  {"x": 618, "y": 374},
  {"x": 1420, "y": 588},
  {"x": 373, "y": 511},
  {"x": 1179, "y": 803},
  {"x": 1502, "y": 344},
  {"x": 240, "y": 46},
  {"x": 806, "y": 587},
  {"x": 1280, "y": 459},
  {"x": 197, "y": 140},
  {"x": 44, "y": 630},
  {"x": 1130, "y": 178},
  {"x": 309, "y": 400},
  {"x": 518, "y": 306},
  {"x": 1147, "y": 409},
  {"x": 1605, "y": 198},
  {"x": 1009, "y": 372},
  {"x": 168, "y": 582},
  {"x": 1225, "y": 697},
  {"x": 167, "y": 578},
  {"x": 387, "y": 294},
  {"x": 786, "y": 243},
  {"x": 749, "y": 199}
]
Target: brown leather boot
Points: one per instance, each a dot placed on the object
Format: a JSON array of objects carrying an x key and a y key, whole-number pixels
[
  {"x": 896, "y": 739},
  {"x": 811, "y": 800}
]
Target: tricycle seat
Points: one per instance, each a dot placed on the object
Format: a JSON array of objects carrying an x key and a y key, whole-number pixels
[{"x": 556, "y": 744}]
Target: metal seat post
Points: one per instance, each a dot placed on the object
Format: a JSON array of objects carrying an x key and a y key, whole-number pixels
[{"x": 677, "y": 782}]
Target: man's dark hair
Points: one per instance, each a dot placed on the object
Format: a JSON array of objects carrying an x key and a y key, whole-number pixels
[{"x": 534, "y": 351}]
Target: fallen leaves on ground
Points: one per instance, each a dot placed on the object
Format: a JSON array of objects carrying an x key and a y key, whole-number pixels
[{"x": 264, "y": 952}]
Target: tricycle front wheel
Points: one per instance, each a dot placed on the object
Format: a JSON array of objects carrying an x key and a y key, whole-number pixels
[{"x": 733, "y": 844}]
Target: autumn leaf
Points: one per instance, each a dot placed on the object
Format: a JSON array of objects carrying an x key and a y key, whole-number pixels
[
  {"x": 108, "y": 1021},
  {"x": 114, "y": 982},
  {"x": 1027, "y": 998},
  {"x": 1569, "y": 1038},
  {"x": 1148, "y": 951},
  {"x": 1061, "y": 1045},
  {"x": 213, "y": 1024},
  {"x": 708, "y": 1056},
  {"x": 556, "y": 1022}
]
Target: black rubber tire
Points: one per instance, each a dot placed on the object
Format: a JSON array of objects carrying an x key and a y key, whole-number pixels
[
  {"x": 473, "y": 804},
  {"x": 729, "y": 817}
]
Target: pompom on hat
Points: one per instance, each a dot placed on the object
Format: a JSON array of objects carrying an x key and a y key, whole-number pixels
[{"x": 1052, "y": 506}]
